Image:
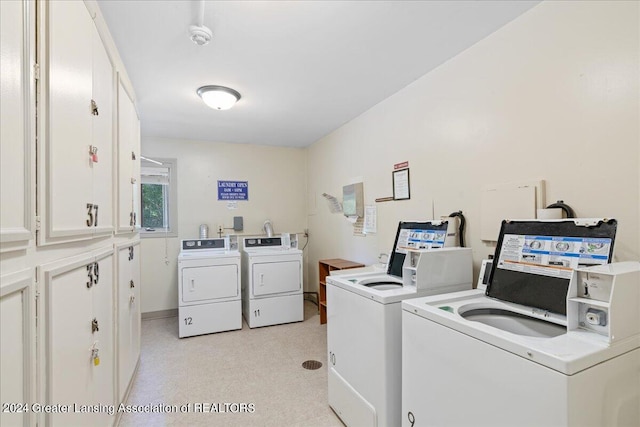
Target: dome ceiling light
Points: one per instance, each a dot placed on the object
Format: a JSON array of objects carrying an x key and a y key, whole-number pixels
[{"x": 218, "y": 97}]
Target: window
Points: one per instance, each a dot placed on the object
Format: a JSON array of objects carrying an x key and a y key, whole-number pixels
[{"x": 158, "y": 201}]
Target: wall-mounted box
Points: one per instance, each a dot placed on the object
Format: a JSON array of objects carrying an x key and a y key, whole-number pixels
[{"x": 353, "y": 200}]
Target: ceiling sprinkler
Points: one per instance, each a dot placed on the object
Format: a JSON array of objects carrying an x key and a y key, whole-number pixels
[{"x": 200, "y": 35}]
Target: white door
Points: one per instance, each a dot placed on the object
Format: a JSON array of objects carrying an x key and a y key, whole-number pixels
[
  {"x": 69, "y": 184},
  {"x": 128, "y": 313},
  {"x": 102, "y": 137},
  {"x": 103, "y": 338},
  {"x": 16, "y": 126},
  {"x": 69, "y": 337},
  {"x": 126, "y": 125},
  {"x": 17, "y": 341},
  {"x": 276, "y": 277},
  {"x": 210, "y": 282}
]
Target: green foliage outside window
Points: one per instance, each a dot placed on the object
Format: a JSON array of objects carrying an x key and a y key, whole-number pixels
[{"x": 153, "y": 206}]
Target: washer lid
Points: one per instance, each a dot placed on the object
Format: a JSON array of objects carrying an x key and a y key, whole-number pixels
[
  {"x": 415, "y": 235},
  {"x": 534, "y": 259}
]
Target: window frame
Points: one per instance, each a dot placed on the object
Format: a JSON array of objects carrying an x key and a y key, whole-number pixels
[{"x": 171, "y": 207}]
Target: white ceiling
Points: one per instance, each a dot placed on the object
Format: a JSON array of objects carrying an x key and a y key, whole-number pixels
[{"x": 304, "y": 68}]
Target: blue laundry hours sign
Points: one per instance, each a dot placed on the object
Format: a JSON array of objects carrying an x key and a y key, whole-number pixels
[{"x": 233, "y": 190}]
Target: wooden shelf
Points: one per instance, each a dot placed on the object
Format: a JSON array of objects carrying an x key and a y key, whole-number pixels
[{"x": 325, "y": 267}]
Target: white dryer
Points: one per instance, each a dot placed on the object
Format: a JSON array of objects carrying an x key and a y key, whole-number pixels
[
  {"x": 272, "y": 280},
  {"x": 209, "y": 286},
  {"x": 572, "y": 359},
  {"x": 364, "y": 321}
]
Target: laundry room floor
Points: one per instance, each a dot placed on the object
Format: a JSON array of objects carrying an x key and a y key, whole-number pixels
[{"x": 210, "y": 377}]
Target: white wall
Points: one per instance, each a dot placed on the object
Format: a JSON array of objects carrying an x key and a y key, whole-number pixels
[
  {"x": 553, "y": 95},
  {"x": 277, "y": 191}
]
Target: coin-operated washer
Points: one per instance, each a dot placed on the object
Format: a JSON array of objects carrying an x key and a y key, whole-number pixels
[
  {"x": 209, "y": 286},
  {"x": 555, "y": 341},
  {"x": 364, "y": 321},
  {"x": 272, "y": 280}
]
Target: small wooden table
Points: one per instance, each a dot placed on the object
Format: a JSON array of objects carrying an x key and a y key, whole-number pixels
[{"x": 325, "y": 267}]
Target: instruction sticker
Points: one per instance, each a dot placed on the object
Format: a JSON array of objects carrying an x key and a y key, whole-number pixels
[
  {"x": 552, "y": 256},
  {"x": 420, "y": 239}
]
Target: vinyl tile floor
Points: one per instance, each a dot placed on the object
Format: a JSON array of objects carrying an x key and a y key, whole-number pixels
[{"x": 217, "y": 378}]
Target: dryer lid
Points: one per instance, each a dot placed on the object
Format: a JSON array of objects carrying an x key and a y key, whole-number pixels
[{"x": 534, "y": 259}]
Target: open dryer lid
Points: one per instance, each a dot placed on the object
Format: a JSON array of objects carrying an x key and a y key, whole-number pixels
[
  {"x": 534, "y": 260},
  {"x": 415, "y": 235}
]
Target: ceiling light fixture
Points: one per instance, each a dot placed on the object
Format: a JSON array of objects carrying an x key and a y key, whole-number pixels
[{"x": 218, "y": 97}]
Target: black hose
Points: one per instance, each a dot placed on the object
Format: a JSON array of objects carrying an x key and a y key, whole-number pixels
[
  {"x": 461, "y": 228},
  {"x": 566, "y": 208}
]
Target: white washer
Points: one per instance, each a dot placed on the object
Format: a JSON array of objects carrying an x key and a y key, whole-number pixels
[
  {"x": 509, "y": 364},
  {"x": 364, "y": 328},
  {"x": 271, "y": 281},
  {"x": 209, "y": 286}
]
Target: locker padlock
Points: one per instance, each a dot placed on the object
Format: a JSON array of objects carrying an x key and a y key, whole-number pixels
[
  {"x": 94, "y": 325},
  {"x": 93, "y": 153},
  {"x": 95, "y": 356},
  {"x": 131, "y": 285}
]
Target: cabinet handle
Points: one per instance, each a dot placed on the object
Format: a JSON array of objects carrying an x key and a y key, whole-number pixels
[
  {"x": 193, "y": 285},
  {"x": 94, "y": 108},
  {"x": 94, "y": 326},
  {"x": 130, "y": 253},
  {"x": 131, "y": 285}
]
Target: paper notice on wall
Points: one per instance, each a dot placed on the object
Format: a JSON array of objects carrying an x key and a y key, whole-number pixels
[
  {"x": 334, "y": 204},
  {"x": 232, "y": 205},
  {"x": 358, "y": 226},
  {"x": 370, "y": 220}
]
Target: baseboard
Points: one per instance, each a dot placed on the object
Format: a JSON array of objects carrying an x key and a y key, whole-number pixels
[{"x": 160, "y": 314}]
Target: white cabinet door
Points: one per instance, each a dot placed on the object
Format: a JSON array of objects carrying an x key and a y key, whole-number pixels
[
  {"x": 67, "y": 103},
  {"x": 137, "y": 191},
  {"x": 77, "y": 327},
  {"x": 17, "y": 341},
  {"x": 17, "y": 37},
  {"x": 76, "y": 110},
  {"x": 104, "y": 337},
  {"x": 103, "y": 136},
  {"x": 128, "y": 313},
  {"x": 126, "y": 162}
]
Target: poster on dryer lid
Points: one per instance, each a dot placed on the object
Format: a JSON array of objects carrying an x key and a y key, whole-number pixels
[
  {"x": 420, "y": 239},
  {"x": 552, "y": 256}
]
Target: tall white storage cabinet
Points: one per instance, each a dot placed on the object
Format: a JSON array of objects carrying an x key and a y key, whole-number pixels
[
  {"x": 76, "y": 345},
  {"x": 128, "y": 267},
  {"x": 59, "y": 307},
  {"x": 17, "y": 102},
  {"x": 76, "y": 122},
  {"x": 128, "y": 162}
]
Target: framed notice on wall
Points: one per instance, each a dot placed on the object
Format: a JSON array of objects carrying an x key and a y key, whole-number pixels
[{"x": 401, "y": 189}]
